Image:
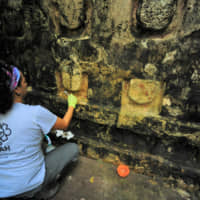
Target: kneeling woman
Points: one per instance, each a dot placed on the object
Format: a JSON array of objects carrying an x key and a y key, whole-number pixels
[{"x": 24, "y": 170}]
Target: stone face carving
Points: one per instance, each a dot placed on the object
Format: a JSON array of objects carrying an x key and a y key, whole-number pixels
[
  {"x": 71, "y": 13},
  {"x": 142, "y": 92},
  {"x": 140, "y": 98},
  {"x": 71, "y": 79},
  {"x": 156, "y": 14},
  {"x": 67, "y": 16},
  {"x": 71, "y": 76}
]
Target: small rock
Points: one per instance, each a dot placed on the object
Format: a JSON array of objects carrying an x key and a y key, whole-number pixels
[
  {"x": 69, "y": 178},
  {"x": 150, "y": 69},
  {"x": 184, "y": 194}
]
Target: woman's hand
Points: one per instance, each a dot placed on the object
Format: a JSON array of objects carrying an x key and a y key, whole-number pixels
[
  {"x": 72, "y": 100},
  {"x": 63, "y": 123}
]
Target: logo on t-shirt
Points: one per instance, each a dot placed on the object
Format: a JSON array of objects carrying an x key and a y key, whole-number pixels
[{"x": 4, "y": 133}]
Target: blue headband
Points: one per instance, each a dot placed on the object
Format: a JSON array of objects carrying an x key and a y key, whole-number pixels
[{"x": 14, "y": 77}]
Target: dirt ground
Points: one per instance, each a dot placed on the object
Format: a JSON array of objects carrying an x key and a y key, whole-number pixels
[{"x": 97, "y": 180}]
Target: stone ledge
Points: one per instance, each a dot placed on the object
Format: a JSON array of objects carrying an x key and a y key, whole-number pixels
[
  {"x": 155, "y": 125},
  {"x": 143, "y": 163}
]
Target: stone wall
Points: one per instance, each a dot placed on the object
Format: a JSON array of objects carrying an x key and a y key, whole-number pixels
[{"x": 134, "y": 66}]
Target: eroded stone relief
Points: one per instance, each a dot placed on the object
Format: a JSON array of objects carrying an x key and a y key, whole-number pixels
[
  {"x": 69, "y": 18},
  {"x": 140, "y": 98},
  {"x": 155, "y": 15},
  {"x": 71, "y": 79},
  {"x": 117, "y": 19},
  {"x": 80, "y": 28}
]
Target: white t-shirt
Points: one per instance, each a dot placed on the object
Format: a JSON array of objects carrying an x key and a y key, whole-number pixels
[{"x": 22, "y": 166}]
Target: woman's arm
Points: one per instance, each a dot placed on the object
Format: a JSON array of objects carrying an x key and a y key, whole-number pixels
[{"x": 63, "y": 123}]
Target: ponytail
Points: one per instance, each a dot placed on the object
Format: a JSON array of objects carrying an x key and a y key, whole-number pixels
[{"x": 6, "y": 95}]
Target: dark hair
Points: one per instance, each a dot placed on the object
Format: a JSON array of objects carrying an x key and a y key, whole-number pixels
[{"x": 6, "y": 95}]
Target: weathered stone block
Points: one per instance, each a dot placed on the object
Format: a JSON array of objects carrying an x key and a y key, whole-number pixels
[
  {"x": 140, "y": 98},
  {"x": 67, "y": 16},
  {"x": 75, "y": 82},
  {"x": 71, "y": 77},
  {"x": 156, "y": 15}
]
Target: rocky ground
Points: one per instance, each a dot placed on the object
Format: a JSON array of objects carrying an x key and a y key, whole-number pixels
[{"x": 97, "y": 180}]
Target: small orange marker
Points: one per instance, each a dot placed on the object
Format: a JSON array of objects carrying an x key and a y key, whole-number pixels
[{"x": 123, "y": 170}]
